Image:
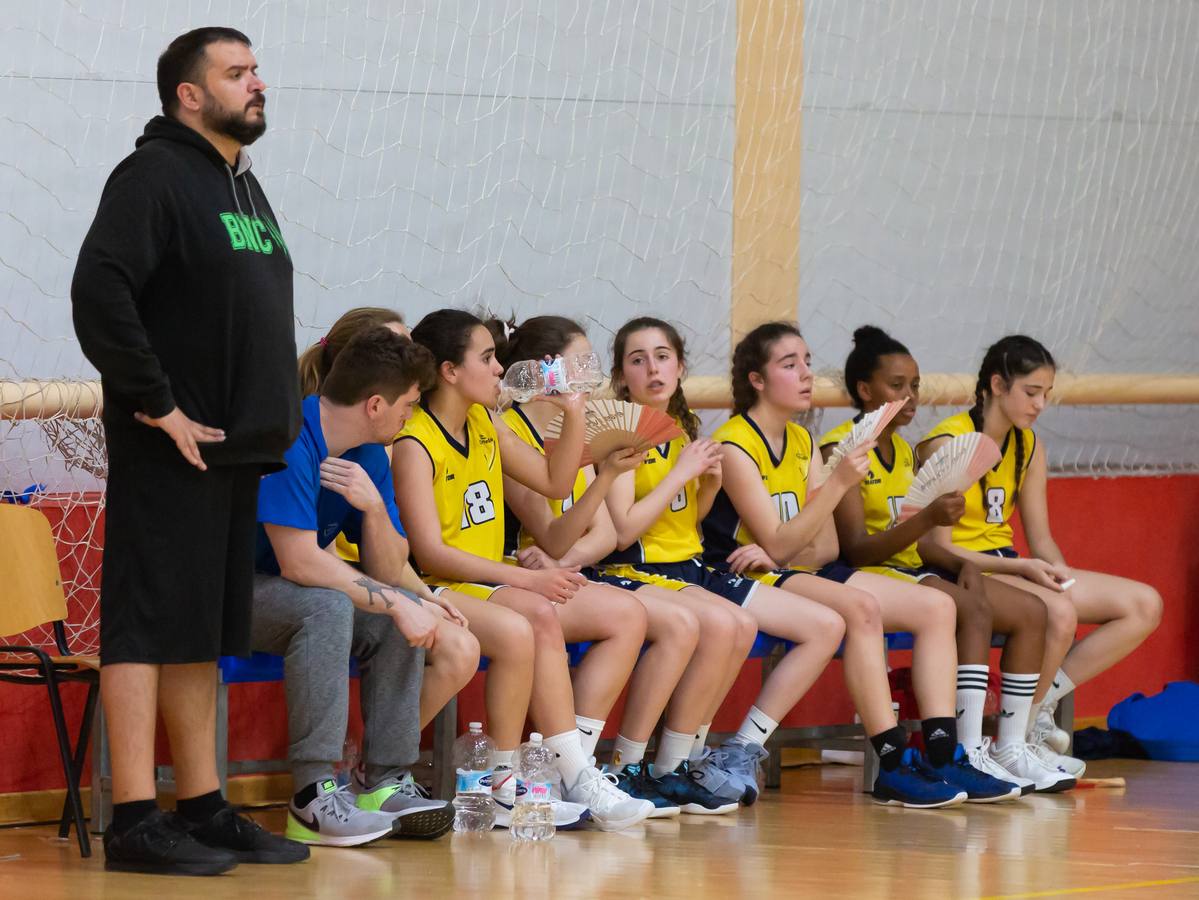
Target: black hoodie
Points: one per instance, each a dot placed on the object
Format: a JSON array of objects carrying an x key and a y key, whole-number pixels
[{"x": 182, "y": 297}]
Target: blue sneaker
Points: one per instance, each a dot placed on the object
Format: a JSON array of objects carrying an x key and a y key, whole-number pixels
[
  {"x": 915, "y": 785},
  {"x": 683, "y": 788},
  {"x": 711, "y": 773},
  {"x": 979, "y": 786},
  {"x": 634, "y": 779}
]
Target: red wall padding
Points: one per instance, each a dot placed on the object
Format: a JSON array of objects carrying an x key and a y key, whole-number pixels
[{"x": 1137, "y": 527}]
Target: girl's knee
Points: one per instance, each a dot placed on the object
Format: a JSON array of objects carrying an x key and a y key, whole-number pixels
[{"x": 860, "y": 612}]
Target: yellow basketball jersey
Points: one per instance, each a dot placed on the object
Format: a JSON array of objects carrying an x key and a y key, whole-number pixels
[
  {"x": 882, "y": 490},
  {"x": 515, "y": 537},
  {"x": 674, "y": 536},
  {"x": 986, "y": 522},
  {"x": 468, "y": 484},
  {"x": 784, "y": 477}
]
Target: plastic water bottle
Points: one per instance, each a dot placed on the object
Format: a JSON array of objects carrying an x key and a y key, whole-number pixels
[
  {"x": 532, "y": 816},
  {"x": 583, "y": 373},
  {"x": 474, "y": 809},
  {"x": 522, "y": 382}
]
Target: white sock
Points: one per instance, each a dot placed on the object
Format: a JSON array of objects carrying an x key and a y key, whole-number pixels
[
  {"x": 756, "y": 729},
  {"x": 589, "y": 733},
  {"x": 1015, "y": 701},
  {"x": 672, "y": 750},
  {"x": 1062, "y": 685},
  {"x": 571, "y": 759},
  {"x": 972, "y": 697},
  {"x": 700, "y": 743},
  {"x": 627, "y": 753}
]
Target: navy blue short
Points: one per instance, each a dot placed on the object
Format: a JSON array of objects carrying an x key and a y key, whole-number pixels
[
  {"x": 1003, "y": 552},
  {"x": 738, "y": 589},
  {"x": 834, "y": 571},
  {"x": 629, "y": 584}
]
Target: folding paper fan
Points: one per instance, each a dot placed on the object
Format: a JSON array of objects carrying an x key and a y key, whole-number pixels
[
  {"x": 954, "y": 467},
  {"x": 868, "y": 428},
  {"x": 612, "y": 425}
]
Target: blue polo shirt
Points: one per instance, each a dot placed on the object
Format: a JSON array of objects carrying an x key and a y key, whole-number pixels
[{"x": 294, "y": 497}]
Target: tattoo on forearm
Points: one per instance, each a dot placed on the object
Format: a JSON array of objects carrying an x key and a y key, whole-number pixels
[{"x": 373, "y": 587}]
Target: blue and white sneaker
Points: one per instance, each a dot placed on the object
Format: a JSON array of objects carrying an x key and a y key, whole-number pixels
[
  {"x": 980, "y": 787},
  {"x": 682, "y": 787},
  {"x": 711, "y": 773},
  {"x": 634, "y": 779},
  {"x": 742, "y": 761},
  {"x": 914, "y": 784},
  {"x": 567, "y": 816}
]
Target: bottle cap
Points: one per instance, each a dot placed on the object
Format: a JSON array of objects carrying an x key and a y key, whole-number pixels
[
  {"x": 476, "y": 727},
  {"x": 535, "y": 738}
]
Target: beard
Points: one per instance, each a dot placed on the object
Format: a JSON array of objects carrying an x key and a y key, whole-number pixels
[{"x": 231, "y": 123}]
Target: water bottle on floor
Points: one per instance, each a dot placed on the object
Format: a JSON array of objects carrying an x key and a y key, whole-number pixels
[
  {"x": 532, "y": 816},
  {"x": 474, "y": 810}
]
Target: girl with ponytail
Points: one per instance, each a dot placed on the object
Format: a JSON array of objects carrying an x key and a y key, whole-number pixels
[{"x": 1014, "y": 383}]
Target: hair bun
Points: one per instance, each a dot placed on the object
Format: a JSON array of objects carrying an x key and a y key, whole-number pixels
[{"x": 867, "y": 333}]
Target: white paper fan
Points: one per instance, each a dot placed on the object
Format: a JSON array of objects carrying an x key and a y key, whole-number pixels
[
  {"x": 953, "y": 468},
  {"x": 867, "y": 428},
  {"x": 612, "y": 425}
]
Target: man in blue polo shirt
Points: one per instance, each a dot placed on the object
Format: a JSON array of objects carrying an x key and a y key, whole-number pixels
[{"x": 318, "y": 610}]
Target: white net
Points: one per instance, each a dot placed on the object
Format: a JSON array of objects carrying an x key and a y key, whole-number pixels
[
  {"x": 968, "y": 170},
  {"x": 975, "y": 169}
]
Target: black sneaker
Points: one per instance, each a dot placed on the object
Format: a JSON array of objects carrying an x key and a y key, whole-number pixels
[
  {"x": 246, "y": 839},
  {"x": 161, "y": 844}
]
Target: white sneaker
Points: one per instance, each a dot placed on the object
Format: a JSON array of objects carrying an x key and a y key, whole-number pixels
[
  {"x": 611, "y": 808},
  {"x": 1046, "y": 754},
  {"x": 982, "y": 758},
  {"x": 1044, "y": 730},
  {"x": 567, "y": 816},
  {"x": 1019, "y": 760}
]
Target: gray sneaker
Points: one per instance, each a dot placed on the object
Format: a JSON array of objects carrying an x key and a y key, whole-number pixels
[
  {"x": 710, "y": 773},
  {"x": 327, "y": 815},
  {"x": 408, "y": 804},
  {"x": 742, "y": 761}
]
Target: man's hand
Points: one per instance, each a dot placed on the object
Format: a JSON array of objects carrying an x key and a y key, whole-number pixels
[
  {"x": 351, "y": 481},
  {"x": 185, "y": 433},
  {"x": 417, "y": 624}
]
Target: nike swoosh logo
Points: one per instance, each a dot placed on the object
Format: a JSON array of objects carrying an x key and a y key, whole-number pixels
[
  {"x": 961, "y": 712},
  {"x": 1004, "y": 714},
  {"x": 586, "y": 731},
  {"x": 312, "y": 823},
  {"x": 759, "y": 727}
]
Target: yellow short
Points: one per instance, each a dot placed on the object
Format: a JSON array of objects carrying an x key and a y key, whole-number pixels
[
  {"x": 346, "y": 550},
  {"x": 624, "y": 570},
  {"x": 478, "y": 590},
  {"x": 914, "y": 576}
]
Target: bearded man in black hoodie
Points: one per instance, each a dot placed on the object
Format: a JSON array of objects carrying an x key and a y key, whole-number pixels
[{"x": 182, "y": 300}]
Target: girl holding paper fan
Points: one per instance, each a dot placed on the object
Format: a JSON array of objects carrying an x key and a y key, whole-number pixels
[
  {"x": 875, "y": 537},
  {"x": 770, "y": 523},
  {"x": 449, "y": 466},
  {"x": 1014, "y": 383},
  {"x": 578, "y": 531}
]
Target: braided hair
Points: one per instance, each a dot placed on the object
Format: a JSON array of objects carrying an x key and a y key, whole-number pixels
[{"x": 1010, "y": 358}]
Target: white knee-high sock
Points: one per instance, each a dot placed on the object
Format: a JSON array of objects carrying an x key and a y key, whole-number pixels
[
  {"x": 1015, "y": 701},
  {"x": 972, "y": 697}
]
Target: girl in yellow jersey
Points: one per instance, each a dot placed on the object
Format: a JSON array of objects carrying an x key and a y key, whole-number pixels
[
  {"x": 657, "y": 511},
  {"x": 878, "y": 370},
  {"x": 769, "y": 522},
  {"x": 1014, "y": 383},
  {"x": 580, "y": 532},
  {"x": 449, "y": 466}
]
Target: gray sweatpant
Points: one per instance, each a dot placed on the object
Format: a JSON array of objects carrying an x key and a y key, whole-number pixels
[{"x": 316, "y": 630}]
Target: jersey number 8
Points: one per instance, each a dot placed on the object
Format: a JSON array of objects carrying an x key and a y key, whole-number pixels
[
  {"x": 477, "y": 505},
  {"x": 995, "y": 500}
]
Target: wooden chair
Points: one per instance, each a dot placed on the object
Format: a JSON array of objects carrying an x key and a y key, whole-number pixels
[{"x": 31, "y": 595}]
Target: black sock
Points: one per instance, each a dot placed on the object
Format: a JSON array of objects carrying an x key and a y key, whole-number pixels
[
  {"x": 940, "y": 740},
  {"x": 305, "y": 795},
  {"x": 126, "y": 815},
  {"x": 202, "y": 808},
  {"x": 889, "y": 746}
]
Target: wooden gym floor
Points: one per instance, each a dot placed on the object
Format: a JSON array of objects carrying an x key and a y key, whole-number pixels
[{"x": 817, "y": 837}]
